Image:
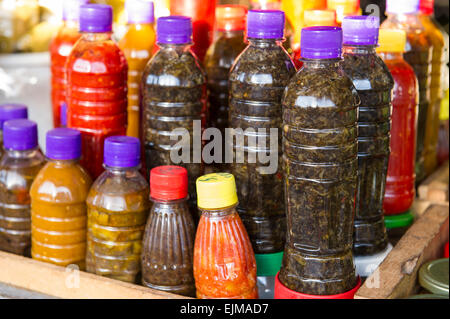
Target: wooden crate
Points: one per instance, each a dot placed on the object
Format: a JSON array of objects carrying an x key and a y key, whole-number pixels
[{"x": 435, "y": 187}]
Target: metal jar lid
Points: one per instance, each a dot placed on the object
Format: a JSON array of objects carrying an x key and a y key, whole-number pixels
[{"x": 433, "y": 276}]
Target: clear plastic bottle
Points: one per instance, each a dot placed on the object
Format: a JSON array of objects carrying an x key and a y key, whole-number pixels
[
  {"x": 10, "y": 111},
  {"x": 19, "y": 166},
  {"x": 167, "y": 255},
  {"x": 118, "y": 207},
  {"x": 58, "y": 202},
  {"x": 96, "y": 86},
  {"x": 137, "y": 45},
  {"x": 320, "y": 113}
]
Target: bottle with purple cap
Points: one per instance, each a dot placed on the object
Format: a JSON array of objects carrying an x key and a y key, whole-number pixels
[
  {"x": 320, "y": 113},
  {"x": 137, "y": 45},
  {"x": 10, "y": 111},
  {"x": 174, "y": 101},
  {"x": 96, "y": 86},
  {"x": 19, "y": 166},
  {"x": 58, "y": 202},
  {"x": 118, "y": 206},
  {"x": 374, "y": 83}
]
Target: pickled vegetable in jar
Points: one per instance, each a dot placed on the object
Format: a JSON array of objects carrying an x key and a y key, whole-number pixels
[
  {"x": 19, "y": 166},
  {"x": 224, "y": 263},
  {"x": 374, "y": 84},
  {"x": 58, "y": 202},
  {"x": 96, "y": 86},
  {"x": 118, "y": 207},
  {"x": 320, "y": 113},
  {"x": 400, "y": 181},
  {"x": 10, "y": 111},
  {"x": 137, "y": 45},
  {"x": 167, "y": 255}
]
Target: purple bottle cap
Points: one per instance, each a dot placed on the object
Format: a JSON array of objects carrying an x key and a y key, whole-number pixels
[
  {"x": 71, "y": 9},
  {"x": 140, "y": 11},
  {"x": 122, "y": 151},
  {"x": 321, "y": 43},
  {"x": 360, "y": 30},
  {"x": 63, "y": 144},
  {"x": 402, "y": 6},
  {"x": 174, "y": 29},
  {"x": 12, "y": 111},
  {"x": 20, "y": 135},
  {"x": 265, "y": 24},
  {"x": 96, "y": 18}
]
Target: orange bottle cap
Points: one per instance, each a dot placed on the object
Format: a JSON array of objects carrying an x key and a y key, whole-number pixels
[
  {"x": 231, "y": 17},
  {"x": 313, "y": 18}
]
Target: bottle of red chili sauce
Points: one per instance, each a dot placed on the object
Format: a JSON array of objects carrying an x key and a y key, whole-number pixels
[{"x": 96, "y": 85}]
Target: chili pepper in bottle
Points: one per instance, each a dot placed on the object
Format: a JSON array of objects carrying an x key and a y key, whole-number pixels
[
  {"x": 19, "y": 166},
  {"x": 96, "y": 86},
  {"x": 10, "y": 111},
  {"x": 58, "y": 202},
  {"x": 224, "y": 263}
]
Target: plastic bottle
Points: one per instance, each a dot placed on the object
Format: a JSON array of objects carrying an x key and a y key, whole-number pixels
[
  {"x": 320, "y": 113},
  {"x": 96, "y": 86},
  {"x": 228, "y": 45},
  {"x": 19, "y": 166},
  {"x": 168, "y": 246},
  {"x": 224, "y": 263},
  {"x": 118, "y": 207},
  {"x": 58, "y": 202},
  {"x": 60, "y": 47},
  {"x": 443, "y": 145},
  {"x": 400, "y": 182},
  {"x": 10, "y": 111},
  {"x": 404, "y": 15},
  {"x": 137, "y": 45},
  {"x": 344, "y": 8}
]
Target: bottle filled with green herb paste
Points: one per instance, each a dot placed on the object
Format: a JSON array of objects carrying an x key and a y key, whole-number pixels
[
  {"x": 174, "y": 100},
  {"x": 257, "y": 82},
  {"x": 374, "y": 84},
  {"x": 320, "y": 113}
]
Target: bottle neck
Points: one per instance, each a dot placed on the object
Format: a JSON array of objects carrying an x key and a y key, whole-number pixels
[
  {"x": 168, "y": 203},
  {"x": 179, "y": 48},
  {"x": 24, "y": 154},
  {"x": 140, "y": 26},
  {"x": 265, "y": 43},
  {"x": 63, "y": 163},
  {"x": 97, "y": 36},
  {"x": 229, "y": 34},
  {"x": 389, "y": 56},
  {"x": 220, "y": 212},
  {"x": 321, "y": 63},
  {"x": 359, "y": 49},
  {"x": 120, "y": 171}
]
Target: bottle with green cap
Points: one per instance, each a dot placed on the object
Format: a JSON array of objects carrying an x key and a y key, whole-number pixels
[
  {"x": 398, "y": 225},
  {"x": 224, "y": 262}
]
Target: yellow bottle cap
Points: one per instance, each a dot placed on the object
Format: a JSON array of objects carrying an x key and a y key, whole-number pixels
[
  {"x": 313, "y": 18},
  {"x": 216, "y": 191},
  {"x": 391, "y": 40}
]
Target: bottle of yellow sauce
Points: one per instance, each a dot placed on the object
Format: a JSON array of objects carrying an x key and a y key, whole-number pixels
[
  {"x": 58, "y": 202},
  {"x": 137, "y": 45}
]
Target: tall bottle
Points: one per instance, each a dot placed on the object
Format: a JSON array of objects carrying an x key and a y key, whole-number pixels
[
  {"x": 224, "y": 263},
  {"x": 400, "y": 182},
  {"x": 137, "y": 45},
  {"x": 10, "y": 111},
  {"x": 60, "y": 48},
  {"x": 320, "y": 113},
  {"x": 439, "y": 40},
  {"x": 96, "y": 86},
  {"x": 168, "y": 245},
  {"x": 404, "y": 15},
  {"x": 173, "y": 98},
  {"x": 374, "y": 84},
  {"x": 19, "y": 166},
  {"x": 257, "y": 82},
  {"x": 117, "y": 212},
  {"x": 58, "y": 202}
]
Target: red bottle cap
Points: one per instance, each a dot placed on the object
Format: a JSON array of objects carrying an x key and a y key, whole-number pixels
[
  {"x": 426, "y": 7},
  {"x": 168, "y": 183},
  {"x": 446, "y": 251},
  {"x": 282, "y": 292},
  {"x": 231, "y": 17}
]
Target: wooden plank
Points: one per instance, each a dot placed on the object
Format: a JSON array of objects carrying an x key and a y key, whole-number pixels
[
  {"x": 435, "y": 188},
  {"x": 48, "y": 279},
  {"x": 10, "y": 292},
  {"x": 396, "y": 277}
]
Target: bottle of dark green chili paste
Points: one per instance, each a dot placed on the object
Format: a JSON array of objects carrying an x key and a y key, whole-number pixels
[
  {"x": 257, "y": 82},
  {"x": 320, "y": 113},
  {"x": 374, "y": 83}
]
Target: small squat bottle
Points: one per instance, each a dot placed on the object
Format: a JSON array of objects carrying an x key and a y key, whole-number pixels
[
  {"x": 224, "y": 262},
  {"x": 19, "y": 166},
  {"x": 118, "y": 207},
  {"x": 10, "y": 111},
  {"x": 168, "y": 246}
]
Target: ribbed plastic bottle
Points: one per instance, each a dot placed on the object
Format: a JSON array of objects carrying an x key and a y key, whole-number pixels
[
  {"x": 10, "y": 111},
  {"x": 19, "y": 166},
  {"x": 118, "y": 207},
  {"x": 58, "y": 202},
  {"x": 320, "y": 113},
  {"x": 60, "y": 48},
  {"x": 96, "y": 86},
  {"x": 168, "y": 246},
  {"x": 257, "y": 82},
  {"x": 137, "y": 45}
]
